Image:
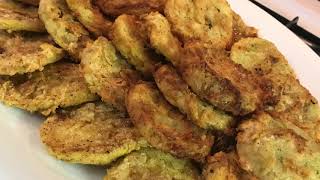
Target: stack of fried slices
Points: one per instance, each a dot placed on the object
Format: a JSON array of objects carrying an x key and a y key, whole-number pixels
[{"x": 158, "y": 89}]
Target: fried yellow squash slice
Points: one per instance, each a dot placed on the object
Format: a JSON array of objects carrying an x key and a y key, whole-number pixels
[
  {"x": 132, "y": 7},
  {"x": 23, "y": 53},
  {"x": 63, "y": 27},
  {"x": 152, "y": 164},
  {"x": 276, "y": 149},
  {"x": 91, "y": 134},
  {"x": 178, "y": 93},
  {"x": 106, "y": 73},
  {"x": 225, "y": 166},
  {"x": 90, "y": 16},
  {"x": 163, "y": 126},
  {"x": 58, "y": 85},
  {"x": 15, "y": 16},
  {"x": 130, "y": 38},
  {"x": 209, "y": 21}
]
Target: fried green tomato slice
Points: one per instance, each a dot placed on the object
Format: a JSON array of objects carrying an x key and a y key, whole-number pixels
[
  {"x": 23, "y": 53},
  {"x": 130, "y": 38},
  {"x": 31, "y": 2},
  {"x": 152, "y": 164},
  {"x": 270, "y": 148},
  {"x": 106, "y": 73},
  {"x": 223, "y": 166},
  {"x": 91, "y": 134},
  {"x": 90, "y": 16},
  {"x": 63, "y": 27},
  {"x": 178, "y": 93},
  {"x": 209, "y": 21},
  {"x": 58, "y": 85},
  {"x": 15, "y": 16},
  {"x": 163, "y": 126},
  {"x": 131, "y": 7}
]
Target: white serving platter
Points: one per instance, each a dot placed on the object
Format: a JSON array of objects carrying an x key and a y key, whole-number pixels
[{"x": 22, "y": 156}]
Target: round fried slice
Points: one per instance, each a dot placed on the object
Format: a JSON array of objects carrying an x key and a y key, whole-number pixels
[
  {"x": 22, "y": 53},
  {"x": 15, "y": 16},
  {"x": 224, "y": 166},
  {"x": 133, "y": 7},
  {"x": 130, "y": 38},
  {"x": 178, "y": 93},
  {"x": 58, "y": 85},
  {"x": 90, "y": 16},
  {"x": 31, "y": 2},
  {"x": 62, "y": 26},
  {"x": 106, "y": 73},
  {"x": 209, "y": 21},
  {"x": 163, "y": 126},
  {"x": 153, "y": 164},
  {"x": 91, "y": 134},
  {"x": 276, "y": 149}
]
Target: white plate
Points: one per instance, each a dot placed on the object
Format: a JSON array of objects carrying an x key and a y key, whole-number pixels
[{"x": 22, "y": 156}]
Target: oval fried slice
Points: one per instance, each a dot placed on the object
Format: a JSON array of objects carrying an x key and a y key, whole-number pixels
[
  {"x": 209, "y": 21},
  {"x": 223, "y": 166},
  {"x": 23, "y": 53},
  {"x": 15, "y": 16},
  {"x": 58, "y": 85},
  {"x": 90, "y": 16},
  {"x": 276, "y": 149},
  {"x": 133, "y": 7},
  {"x": 31, "y": 2},
  {"x": 178, "y": 93},
  {"x": 130, "y": 38},
  {"x": 152, "y": 164},
  {"x": 106, "y": 73},
  {"x": 91, "y": 134},
  {"x": 62, "y": 26},
  {"x": 163, "y": 126}
]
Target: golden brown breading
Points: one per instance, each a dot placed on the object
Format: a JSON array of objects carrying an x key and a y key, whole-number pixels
[
  {"x": 15, "y": 16},
  {"x": 130, "y": 38},
  {"x": 31, "y": 2},
  {"x": 153, "y": 164},
  {"x": 163, "y": 126},
  {"x": 276, "y": 149},
  {"x": 58, "y": 85},
  {"x": 289, "y": 100},
  {"x": 208, "y": 21},
  {"x": 90, "y": 16},
  {"x": 22, "y": 53},
  {"x": 91, "y": 134},
  {"x": 133, "y": 7},
  {"x": 224, "y": 166},
  {"x": 62, "y": 26},
  {"x": 106, "y": 73},
  {"x": 177, "y": 92}
]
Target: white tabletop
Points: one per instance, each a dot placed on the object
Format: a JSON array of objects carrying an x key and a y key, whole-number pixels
[{"x": 307, "y": 10}]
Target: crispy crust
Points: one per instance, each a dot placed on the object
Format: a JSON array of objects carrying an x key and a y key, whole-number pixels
[
  {"x": 130, "y": 38},
  {"x": 62, "y": 26},
  {"x": 106, "y": 73},
  {"x": 177, "y": 92},
  {"x": 163, "y": 126},
  {"x": 58, "y": 85},
  {"x": 18, "y": 17},
  {"x": 31, "y": 2},
  {"x": 132, "y": 7},
  {"x": 274, "y": 148},
  {"x": 23, "y": 53},
  {"x": 210, "y": 22},
  {"x": 152, "y": 164},
  {"x": 90, "y": 134},
  {"x": 90, "y": 16},
  {"x": 224, "y": 166}
]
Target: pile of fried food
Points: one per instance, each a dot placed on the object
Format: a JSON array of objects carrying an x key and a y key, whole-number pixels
[{"x": 158, "y": 89}]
